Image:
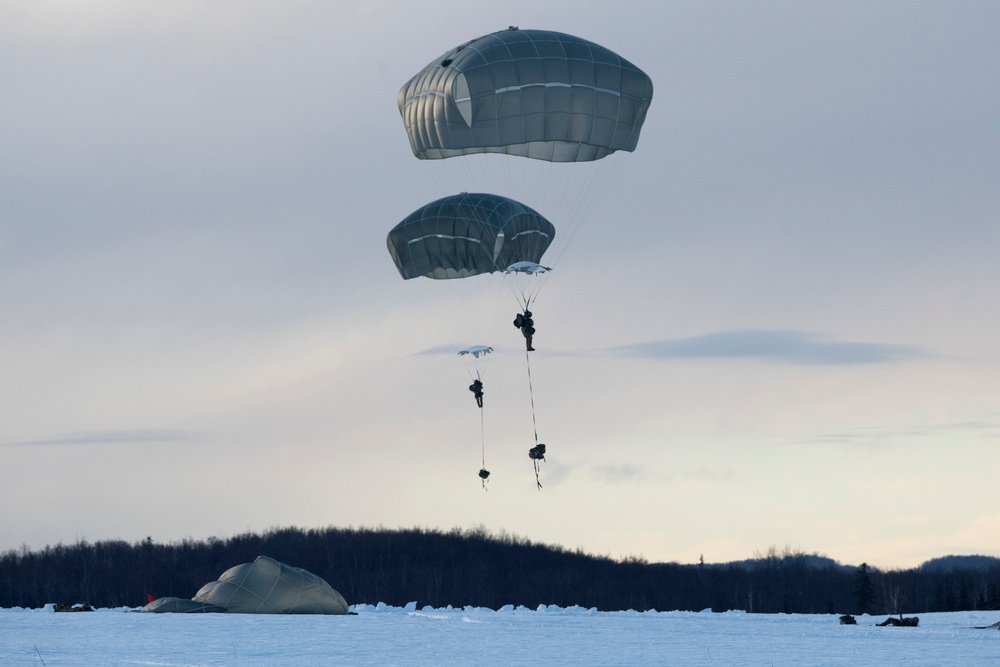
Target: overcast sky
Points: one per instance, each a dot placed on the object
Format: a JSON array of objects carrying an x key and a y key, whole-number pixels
[{"x": 777, "y": 324}]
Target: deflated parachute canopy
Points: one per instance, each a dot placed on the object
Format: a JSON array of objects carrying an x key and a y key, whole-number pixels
[
  {"x": 534, "y": 93},
  {"x": 468, "y": 234},
  {"x": 181, "y": 606},
  {"x": 264, "y": 586},
  {"x": 476, "y": 351}
]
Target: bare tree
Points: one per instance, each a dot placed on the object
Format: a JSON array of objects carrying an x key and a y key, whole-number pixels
[{"x": 893, "y": 598}]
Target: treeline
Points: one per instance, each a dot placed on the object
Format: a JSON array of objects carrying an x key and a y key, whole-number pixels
[{"x": 475, "y": 567}]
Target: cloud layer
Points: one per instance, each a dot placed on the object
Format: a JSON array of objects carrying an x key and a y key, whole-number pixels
[
  {"x": 108, "y": 438},
  {"x": 777, "y": 346}
]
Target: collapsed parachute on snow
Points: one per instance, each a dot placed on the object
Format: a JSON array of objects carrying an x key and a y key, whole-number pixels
[
  {"x": 468, "y": 234},
  {"x": 264, "y": 586},
  {"x": 533, "y": 93}
]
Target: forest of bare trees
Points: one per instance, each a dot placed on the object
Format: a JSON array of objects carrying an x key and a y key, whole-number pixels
[{"x": 475, "y": 567}]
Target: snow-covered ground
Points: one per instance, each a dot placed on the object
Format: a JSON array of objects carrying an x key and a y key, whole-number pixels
[{"x": 473, "y": 636}]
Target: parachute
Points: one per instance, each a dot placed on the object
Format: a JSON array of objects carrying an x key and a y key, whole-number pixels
[
  {"x": 524, "y": 279},
  {"x": 457, "y": 241},
  {"x": 264, "y": 586},
  {"x": 534, "y": 114},
  {"x": 470, "y": 234},
  {"x": 476, "y": 351},
  {"x": 533, "y": 93},
  {"x": 527, "y": 267},
  {"x": 467, "y": 235},
  {"x": 477, "y": 358},
  {"x": 564, "y": 102}
]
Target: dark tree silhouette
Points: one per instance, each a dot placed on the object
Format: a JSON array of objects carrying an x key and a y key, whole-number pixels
[
  {"x": 864, "y": 591},
  {"x": 475, "y": 567}
]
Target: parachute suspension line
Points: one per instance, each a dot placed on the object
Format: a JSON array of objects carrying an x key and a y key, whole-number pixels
[
  {"x": 570, "y": 188},
  {"x": 526, "y": 302},
  {"x": 538, "y": 483},
  {"x": 484, "y": 474},
  {"x": 538, "y": 451},
  {"x": 593, "y": 181},
  {"x": 526, "y": 288},
  {"x": 531, "y": 395},
  {"x": 517, "y": 291}
]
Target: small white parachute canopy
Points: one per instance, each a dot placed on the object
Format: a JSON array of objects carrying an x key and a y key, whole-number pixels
[
  {"x": 477, "y": 351},
  {"x": 264, "y": 586},
  {"x": 526, "y": 267}
]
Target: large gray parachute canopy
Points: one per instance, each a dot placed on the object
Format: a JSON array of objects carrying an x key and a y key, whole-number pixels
[
  {"x": 264, "y": 586},
  {"x": 466, "y": 235},
  {"x": 533, "y": 93}
]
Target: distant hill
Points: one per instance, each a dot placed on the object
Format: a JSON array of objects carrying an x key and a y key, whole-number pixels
[
  {"x": 804, "y": 561},
  {"x": 788, "y": 558},
  {"x": 949, "y": 564}
]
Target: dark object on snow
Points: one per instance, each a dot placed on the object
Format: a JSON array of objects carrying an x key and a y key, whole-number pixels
[
  {"x": 900, "y": 622},
  {"x": 73, "y": 607},
  {"x": 847, "y": 619},
  {"x": 995, "y": 626}
]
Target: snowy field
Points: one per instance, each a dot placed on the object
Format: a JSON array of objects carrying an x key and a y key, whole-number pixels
[{"x": 473, "y": 636}]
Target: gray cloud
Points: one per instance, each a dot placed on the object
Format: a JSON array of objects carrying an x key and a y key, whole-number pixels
[
  {"x": 628, "y": 474},
  {"x": 782, "y": 346},
  {"x": 450, "y": 349},
  {"x": 877, "y": 435},
  {"x": 709, "y": 475},
  {"x": 108, "y": 438},
  {"x": 621, "y": 474}
]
